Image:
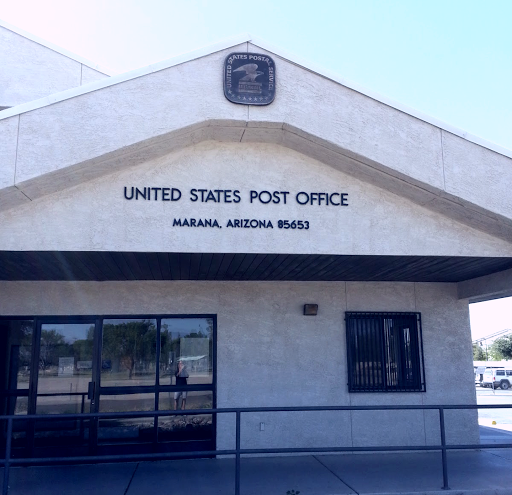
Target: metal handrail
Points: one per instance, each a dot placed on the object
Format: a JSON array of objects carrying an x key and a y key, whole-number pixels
[{"x": 238, "y": 451}]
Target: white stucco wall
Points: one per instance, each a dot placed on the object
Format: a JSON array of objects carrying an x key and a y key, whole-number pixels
[
  {"x": 31, "y": 70},
  {"x": 151, "y": 112},
  {"x": 269, "y": 354},
  {"x": 491, "y": 286},
  {"x": 63, "y": 168},
  {"x": 8, "y": 130},
  {"x": 90, "y": 75},
  {"x": 96, "y": 215}
]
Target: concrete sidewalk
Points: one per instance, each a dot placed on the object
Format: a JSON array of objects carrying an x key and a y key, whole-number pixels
[{"x": 470, "y": 472}]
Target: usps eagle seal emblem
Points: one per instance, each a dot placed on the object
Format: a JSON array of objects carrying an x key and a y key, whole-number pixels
[{"x": 249, "y": 78}]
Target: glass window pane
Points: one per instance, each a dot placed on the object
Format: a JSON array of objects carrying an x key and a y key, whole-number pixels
[
  {"x": 384, "y": 352},
  {"x": 189, "y": 340},
  {"x": 20, "y": 405},
  {"x": 16, "y": 356},
  {"x": 179, "y": 428},
  {"x": 19, "y": 352},
  {"x": 65, "y": 358},
  {"x": 65, "y": 368},
  {"x": 126, "y": 429},
  {"x": 128, "y": 356},
  {"x": 65, "y": 371},
  {"x": 19, "y": 428},
  {"x": 63, "y": 404}
]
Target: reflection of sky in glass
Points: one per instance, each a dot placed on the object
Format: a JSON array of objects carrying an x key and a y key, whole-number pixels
[
  {"x": 118, "y": 321},
  {"x": 78, "y": 331},
  {"x": 70, "y": 331},
  {"x": 184, "y": 326}
]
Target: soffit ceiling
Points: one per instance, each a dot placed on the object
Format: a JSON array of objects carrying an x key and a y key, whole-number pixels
[{"x": 111, "y": 266}]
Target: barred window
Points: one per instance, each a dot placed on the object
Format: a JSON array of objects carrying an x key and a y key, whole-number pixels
[{"x": 385, "y": 352}]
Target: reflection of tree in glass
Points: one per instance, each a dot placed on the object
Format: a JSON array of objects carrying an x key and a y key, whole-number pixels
[
  {"x": 130, "y": 343},
  {"x": 209, "y": 322},
  {"x": 25, "y": 347},
  {"x": 53, "y": 345},
  {"x": 82, "y": 348},
  {"x": 169, "y": 346}
]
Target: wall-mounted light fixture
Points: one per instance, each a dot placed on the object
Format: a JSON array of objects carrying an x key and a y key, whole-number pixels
[{"x": 310, "y": 309}]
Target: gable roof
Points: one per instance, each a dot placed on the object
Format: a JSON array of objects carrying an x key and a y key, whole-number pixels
[
  {"x": 79, "y": 134},
  {"x": 222, "y": 45}
]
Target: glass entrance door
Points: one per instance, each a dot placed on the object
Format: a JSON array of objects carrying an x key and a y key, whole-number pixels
[
  {"x": 65, "y": 361},
  {"x": 127, "y": 381},
  {"x": 59, "y": 366},
  {"x": 151, "y": 364},
  {"x": 16, "y": 354},
  {"x": 186, "y": 360}
]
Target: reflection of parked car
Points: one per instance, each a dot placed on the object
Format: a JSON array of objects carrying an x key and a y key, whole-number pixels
[{"x": 495, "y": 378}]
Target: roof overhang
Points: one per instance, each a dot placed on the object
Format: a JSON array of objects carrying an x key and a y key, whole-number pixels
[
  {"x": 82, "y": 134},
  {"x": 123, "y": 266}
]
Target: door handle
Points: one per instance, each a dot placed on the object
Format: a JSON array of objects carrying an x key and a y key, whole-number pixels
[{"x": 90, "y": 391}]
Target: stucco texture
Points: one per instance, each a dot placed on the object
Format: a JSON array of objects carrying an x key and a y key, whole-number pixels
[
  {"x": 118, "y": 116},
  {"x": 477, "y": 175},
  {"x": 148, "y": 114},
  {"x": 8, "y": 135},
  {"x": 31, "y": 71},
  {"x": 91, "y": 75},
  {"x": 360, "y": 125},
  {"x": 96, "y": 215},
  {"x": 269, "y": 354}
]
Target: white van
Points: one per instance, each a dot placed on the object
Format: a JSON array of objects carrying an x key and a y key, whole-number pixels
[{"x": 497, "y": 377}]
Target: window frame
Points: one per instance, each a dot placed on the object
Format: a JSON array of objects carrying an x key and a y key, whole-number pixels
[
  {"x": 157, "y": 388},
  {"x": 93, "y": 443},
  {"x": 384, "y": 352}
]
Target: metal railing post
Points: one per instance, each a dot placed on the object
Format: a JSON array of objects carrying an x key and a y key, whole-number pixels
[
  {"x": 94, "y": 418},
  {"x": 5, "y": 489},
  {"x": 237, "y": 460},
  {"x": 443, "y": 450}
]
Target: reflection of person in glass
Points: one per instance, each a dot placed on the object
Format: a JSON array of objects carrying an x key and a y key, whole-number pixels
[{"x": 181, "y": 375}]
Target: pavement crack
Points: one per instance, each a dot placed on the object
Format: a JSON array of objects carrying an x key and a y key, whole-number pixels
[
  {"x": 131, "y": 479},
  {"x": 334, "y": 474}
]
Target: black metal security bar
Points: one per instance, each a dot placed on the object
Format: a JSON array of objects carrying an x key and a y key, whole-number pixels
[
  {"x": 385, "y": 352},
  {"x": 238, "y": 451}
]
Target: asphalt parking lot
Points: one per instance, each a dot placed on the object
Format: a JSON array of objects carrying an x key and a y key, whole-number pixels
[{"x": 502, "y": 417}]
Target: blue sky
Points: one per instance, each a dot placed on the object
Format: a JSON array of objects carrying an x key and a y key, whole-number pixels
[{"x": 451, "y": 59}]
